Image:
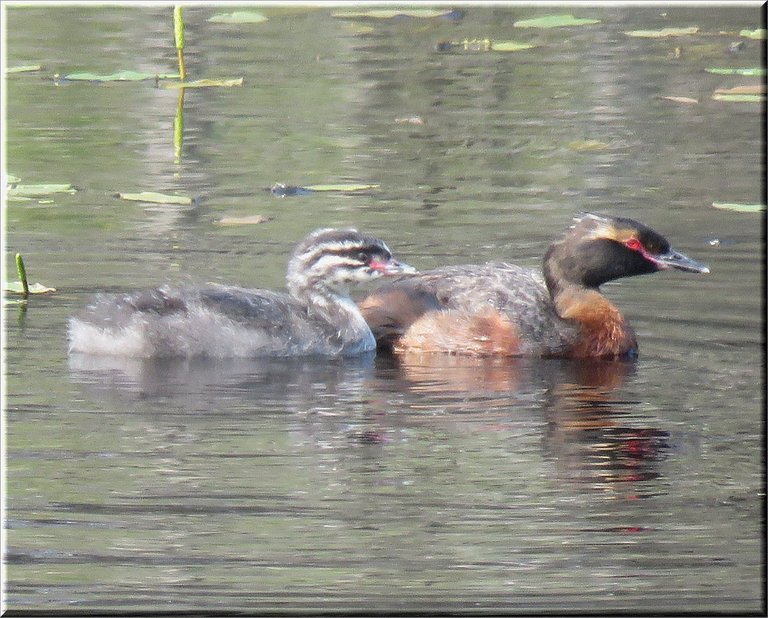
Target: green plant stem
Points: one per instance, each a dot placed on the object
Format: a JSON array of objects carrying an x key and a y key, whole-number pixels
[
  {"x": 178, "y": 128},
  {"x": 22, "y": 275},
  {"x": 178, "y": 32}
]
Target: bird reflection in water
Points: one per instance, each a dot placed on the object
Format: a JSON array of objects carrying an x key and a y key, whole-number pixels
[
  {"x": 596, "y": 437},
  {"x": 593, "y": 434}
]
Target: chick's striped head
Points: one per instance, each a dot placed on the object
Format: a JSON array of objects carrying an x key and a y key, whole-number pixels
[{"x": 336, "y": 258}]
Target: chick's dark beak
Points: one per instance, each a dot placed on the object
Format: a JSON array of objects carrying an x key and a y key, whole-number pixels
[{"x": 675, "y": 259}]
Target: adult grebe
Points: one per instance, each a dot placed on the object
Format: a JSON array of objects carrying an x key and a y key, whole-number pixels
[{"x": 503, "y": 309}]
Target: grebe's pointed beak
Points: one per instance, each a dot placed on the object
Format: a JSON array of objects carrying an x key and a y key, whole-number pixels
[
  {"x": 392, "y": 267},
  {"x": 675, "y": 259}
]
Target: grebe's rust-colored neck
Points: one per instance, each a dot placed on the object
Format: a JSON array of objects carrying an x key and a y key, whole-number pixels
[{"x": 603, "y": 331}]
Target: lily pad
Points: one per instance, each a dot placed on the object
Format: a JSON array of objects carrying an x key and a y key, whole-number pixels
[
  {"x": 120, "y": 76},
  {"x": 748, "y": 72},
  {"x": 358, "y": 28},
  {"x": 510, "y": 46},
  {"x": 251, "y": 220},
  {"x": 415, "y": 120},
  {"x": 340, "y": 187},
  {"x": 155, "y": 198},
  {"x": 739, "y": 207},
  {"x": 751, "y": 89},
  {"x": 12, "y": 180},
  {"x": 588, "y": 145},
  {"x": 663, "y": 33},
  {"x": 684, "y": 100},
  {"x": 17, "y": 287},
  {"x": 393, "y": 13},
  {"x": 205, "y": 83},
  {"x": 22, "y": 286},
  {"x": 472, "y": 45},
  {"x": 282, "y": 190},
  {"x": 27, "y": 68},
  {"x": 239, "y": 17},
  {"x": 753, "y": 34},
  {"x": 30, "y": 191},
  {"x": 483, "y": 45},
  {"x": 554, "y": 21},
  {"x": 739, "y": 98}
]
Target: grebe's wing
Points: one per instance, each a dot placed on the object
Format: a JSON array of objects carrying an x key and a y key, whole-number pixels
[
  {"x": 391, "y": 309},
  {"x": 517, "y": 292},
  {"x": 265, "y": 310}
]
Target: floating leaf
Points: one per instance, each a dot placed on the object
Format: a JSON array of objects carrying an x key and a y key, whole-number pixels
[
  {"x": 587, "y": 145},
  {"x": 38, "y": 190},
  {"x": 753, "y": 34},
  {"x": 752, "y": 89},
  {"x": 685, "y": 100},
  {"x": 121, "y": 76},
  {"x": 358, "y": 28},
  {"x": 750, "y": 72},
  {"x": 22, "y": 287},
  {"x": 739, "y": 207},
  {"x": 393, "y": 13},
  {"x": 340, "y": 187},
  {"x": 465, "y": 45},
  {"x": 205, "y": 83},
  {"x": 510, "y": 46},
  {"x": 155, "y": 198},
  {"x": 664, "y": 32},
  {"x": 482, "y": 45},
  {"x": 27, "y": 68},
  {"x": 554, "y": 21},
  {"x": 281, "y": 190},
  {"x": 239, "y": 17},
  {"x": 417, "y": 120},
  {"x": 739, "y": 98},
  {"x": 252, "y": 220},
  {"x": 12, "y": 180},
  {"x": 17, "y": 287}
]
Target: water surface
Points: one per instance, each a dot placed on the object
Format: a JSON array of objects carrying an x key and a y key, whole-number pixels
[{"x": 421, "y": 484}]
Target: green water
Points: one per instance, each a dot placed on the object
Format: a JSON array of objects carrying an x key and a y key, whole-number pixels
[{"x": 439, "y": 485}]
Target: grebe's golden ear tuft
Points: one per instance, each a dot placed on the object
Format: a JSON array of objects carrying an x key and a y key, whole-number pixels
[
  {"x": 590, "y": 226},
  {"x": 583, "y": 215},
  {"x": 593, "y": 226}
]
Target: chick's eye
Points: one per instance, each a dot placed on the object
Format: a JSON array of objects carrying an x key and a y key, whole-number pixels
[{"x": 363, "y": 257}]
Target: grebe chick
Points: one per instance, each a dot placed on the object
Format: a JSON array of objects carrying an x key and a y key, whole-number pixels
[
  {"x": 503, "y": 309},
  {"x": 315, "y": 317}
]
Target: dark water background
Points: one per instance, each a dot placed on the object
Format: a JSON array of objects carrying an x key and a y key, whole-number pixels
[{"x": 442, "y": 484}]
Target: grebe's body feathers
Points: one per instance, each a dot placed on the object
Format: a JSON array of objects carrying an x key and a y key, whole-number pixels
[
  {"x": 517, "y": 293},
  {"x": 316, "y": 316},
  {"x": 503, "y": 309}
]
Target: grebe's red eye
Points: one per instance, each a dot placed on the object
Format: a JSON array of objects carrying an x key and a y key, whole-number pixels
[{"x": 634, "y": 244}]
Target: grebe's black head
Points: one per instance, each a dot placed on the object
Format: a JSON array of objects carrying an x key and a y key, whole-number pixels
[
  {"x": 335, "y": 258},
  {"x": 598, "y": 248}
]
